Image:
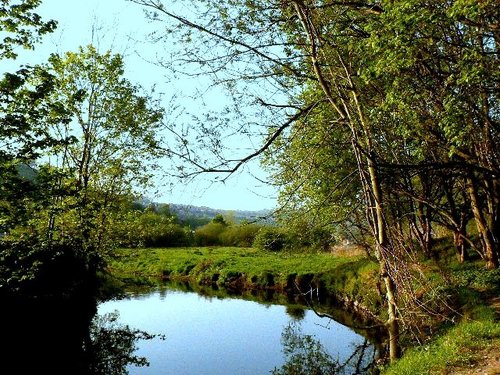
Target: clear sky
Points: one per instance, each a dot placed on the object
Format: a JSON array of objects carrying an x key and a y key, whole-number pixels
[{"x": 121, "y": 26}]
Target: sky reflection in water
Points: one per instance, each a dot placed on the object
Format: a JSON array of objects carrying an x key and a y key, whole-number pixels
[{"x": 219, "y": 336}]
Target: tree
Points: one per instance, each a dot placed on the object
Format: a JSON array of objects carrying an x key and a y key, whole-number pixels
[
  {"x": 316, "y": 173},
  {"x": 30, "y": 264},
  {"x": 440, "y": 76},
  {"x": 115, "y": 129},
  {"x": 25, "y": 119},
  {"x": 23, "y": 112},
  {"x": 86, "y": 135}
]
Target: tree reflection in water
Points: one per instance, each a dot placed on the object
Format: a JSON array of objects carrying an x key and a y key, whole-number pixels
[
  {"x": 110, "y": 346},
  {"x": 65, "y": 337},
  {"x": 305, "y": 355}
]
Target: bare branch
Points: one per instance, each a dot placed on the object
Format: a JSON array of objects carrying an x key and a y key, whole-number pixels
[
  {"x": 246, "y": 159},
  {"x": 257, "y": 50}
]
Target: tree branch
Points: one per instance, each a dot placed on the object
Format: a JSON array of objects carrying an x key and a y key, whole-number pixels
[{"x": 242, "y": 161}]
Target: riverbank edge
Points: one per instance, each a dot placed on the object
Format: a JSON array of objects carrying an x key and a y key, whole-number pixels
[{"x": 352, "y": 283}]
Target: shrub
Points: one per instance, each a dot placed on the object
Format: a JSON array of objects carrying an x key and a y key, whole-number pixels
[
  {"x": 150, "y": 229},
  {"x": 239, "y": 235},
  {"x": 272, "y": 239},
  {"x": 167, "y": 235},
  {"x": 36, "y": 267},
  {"x": 209, "y": 234}
]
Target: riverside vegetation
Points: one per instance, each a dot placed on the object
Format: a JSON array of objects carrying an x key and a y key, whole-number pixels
[
  {"x": 454, "y": 341},
  {"x": 389, "y": 142}
]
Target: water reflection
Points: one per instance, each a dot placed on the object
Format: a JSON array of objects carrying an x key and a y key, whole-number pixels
[
  {"x": 112, "y": 345},
  {"x": 211, "y": 332},
  {"x": 305, "y": 355},
  {"x": 66, "y": 337}
]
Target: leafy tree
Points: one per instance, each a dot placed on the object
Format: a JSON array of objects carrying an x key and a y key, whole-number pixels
[
  {"x": 115, "y": 132},
  {"x": 24, "y": 112},
  {"x": 25, "y": 119},
  {"x": 148, "y": 229},
  {"x": 242, "y": 235},
  {"x": 219, "y": 219},
  {"x": 272, "y": 239},
  {"x": 72, "y": 128},
  {"x": 317, "y": 177},
  {"x": 209, "y": 234}
]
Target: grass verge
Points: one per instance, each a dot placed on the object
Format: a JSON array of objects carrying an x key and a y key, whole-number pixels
[
  {"x": 459, "y": 347},
  {"x": 353, "y": 278}
]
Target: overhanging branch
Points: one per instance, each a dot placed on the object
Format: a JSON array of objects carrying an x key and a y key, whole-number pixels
[{"x": 240, "y": 162}]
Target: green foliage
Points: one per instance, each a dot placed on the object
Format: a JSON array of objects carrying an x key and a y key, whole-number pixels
[
  {"x": 148, "y": 229},
  {"x": 25, "y": 120},
  {"x": 194, "y": 221},
  {"x": 477, "y": 278},
  {"x": 219, "y": 219},
  {"x": 115, "y": 124},
  {"x": 209, "y": 234},
  {"x": 242, "y": 235},
  {"x": 219, "y": 233},
  {"x": 31, "y": 267},
  {"x": 313, "y": 167},
  {"x": 272, "y": 239},
  {"x": 99, "y": 132},
  {"x": 21, "y": 27}
]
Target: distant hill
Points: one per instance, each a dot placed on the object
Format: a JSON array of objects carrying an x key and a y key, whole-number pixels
[{"x": 184, "y": 212}]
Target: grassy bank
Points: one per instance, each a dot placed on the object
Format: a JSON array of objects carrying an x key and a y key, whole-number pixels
[
  {"x": 455, "y": 346},
  {"x": 246, "y": 268},
  {"x": 459, "y": 349},
  {"x": 471, "y": 343}
]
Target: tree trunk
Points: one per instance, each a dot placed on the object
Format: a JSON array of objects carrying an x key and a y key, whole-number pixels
[
  {"x": 383, "y": 249},
  {"x": 392, "y": 322},
  {"x": 459, "y": 243},
  {"x": 487, "y": 238}
]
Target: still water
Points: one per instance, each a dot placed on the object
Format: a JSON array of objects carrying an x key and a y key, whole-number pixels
[{"x": 213, "y": 335}]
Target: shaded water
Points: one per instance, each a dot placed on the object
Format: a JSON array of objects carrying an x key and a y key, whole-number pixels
[{"x": 214, "y": 335}]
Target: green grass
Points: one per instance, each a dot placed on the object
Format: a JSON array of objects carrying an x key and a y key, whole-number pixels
[
  {"x": 203, "y": 262},
  {"x": 456, "y": 347},
  {"x": 250, "y": 268},
  {"x": 459, "y": 344}
]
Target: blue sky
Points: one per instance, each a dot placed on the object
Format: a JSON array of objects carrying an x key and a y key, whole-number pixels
[{"x": 122, "y": 27}]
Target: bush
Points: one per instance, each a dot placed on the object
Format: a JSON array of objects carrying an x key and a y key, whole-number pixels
[
  {"x": 272, "y": 239},
  {"x": 35, "y": 267},
  {"x": 209, "y": 234},
  {"x": 167, "y": 235},
  {"x": 149, "y": 229},
  {"x": 239, "y": 235}
]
